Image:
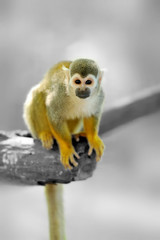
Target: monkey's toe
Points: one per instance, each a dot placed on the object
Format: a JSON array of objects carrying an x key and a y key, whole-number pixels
[{"x": 78, "y": 135}]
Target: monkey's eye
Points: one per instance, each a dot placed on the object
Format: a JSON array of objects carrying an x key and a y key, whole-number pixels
[
  {"x": 77, "y": 81},
  {"x": 88, "y": 82}
]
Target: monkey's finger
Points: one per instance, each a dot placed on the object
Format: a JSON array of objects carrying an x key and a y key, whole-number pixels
[
  {"x": 101, "y": 150},
  {"x": 99, "y": 153},
  {"x": 68, "y": 166},
  {"x": 73, "y": 161},
  {"x": 63, "y": 160},
  {"x": 76, "y": 154},
  {"x": 90, "y": 151},
  {"x": 98, "y": 158},
  {"x": 66, "y": 162}
]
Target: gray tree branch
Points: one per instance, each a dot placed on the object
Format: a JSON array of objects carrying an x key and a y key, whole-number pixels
[
  {"x": 24, "y": 161},
  {"x": 126, "y": 110}
]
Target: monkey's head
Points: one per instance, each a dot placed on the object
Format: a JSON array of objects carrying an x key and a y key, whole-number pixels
[{"x": 84, "y": 78}]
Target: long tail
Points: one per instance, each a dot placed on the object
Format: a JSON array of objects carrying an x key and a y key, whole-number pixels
[{"x": 54, "y": 196}]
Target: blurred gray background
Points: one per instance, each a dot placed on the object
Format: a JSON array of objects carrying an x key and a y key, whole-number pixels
[{"x": 122, "y": 200}]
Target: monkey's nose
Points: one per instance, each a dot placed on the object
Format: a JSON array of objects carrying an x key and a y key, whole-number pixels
[{"x": 82, "y": 93}]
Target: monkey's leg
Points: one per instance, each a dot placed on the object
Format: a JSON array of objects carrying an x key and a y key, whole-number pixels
[
  {"x": 91, "y": 130},
  {"x": 38, "y": 121},
  {"x": 62, "y": 134},
  {"x": 54, "y": 197}
]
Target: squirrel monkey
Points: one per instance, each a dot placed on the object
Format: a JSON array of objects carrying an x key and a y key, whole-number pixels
[{"x": 68, "y": 101}]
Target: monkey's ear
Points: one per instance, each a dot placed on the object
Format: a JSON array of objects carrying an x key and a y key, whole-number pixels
[
  {"x": 102, "y": 73},
  {"x": 66, "y": 70}
]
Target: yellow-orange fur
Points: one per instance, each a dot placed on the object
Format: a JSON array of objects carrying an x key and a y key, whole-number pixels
[{"x": 52, "y": 110}]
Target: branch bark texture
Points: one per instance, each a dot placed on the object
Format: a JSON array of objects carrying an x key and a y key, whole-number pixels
[
  {"x": 24, "y": 161},
  {"x": 126, "y": 110}
]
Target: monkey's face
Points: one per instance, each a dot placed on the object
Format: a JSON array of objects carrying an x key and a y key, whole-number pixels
[{"x": 83, "y": 87}]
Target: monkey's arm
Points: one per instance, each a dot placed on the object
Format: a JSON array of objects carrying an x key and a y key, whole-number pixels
[
  {"x": 91, "y": 125},
  {"x": 62, "y": 134}
]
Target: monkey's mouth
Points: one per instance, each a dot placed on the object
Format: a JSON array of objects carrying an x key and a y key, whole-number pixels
[{"x": 82, "y": 94}]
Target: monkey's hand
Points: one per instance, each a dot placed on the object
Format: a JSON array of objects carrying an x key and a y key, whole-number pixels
[
  {"x": 62, "y": 134},
  {"x": 67, "y": 156},
  {"x": 96, "y": 143}
]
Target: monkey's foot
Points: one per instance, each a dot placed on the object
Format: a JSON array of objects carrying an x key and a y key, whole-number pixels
[
  {"x": 78, "y": 135},
  {"x": 67, "y": 156},
  {"x": 47, "y": 140},
  {"x": 96, "y": 143}
]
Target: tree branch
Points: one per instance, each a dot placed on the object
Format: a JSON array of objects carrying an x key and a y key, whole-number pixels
[
  {"x": 129, "y": 109},
  {"x": 23, "y": 160}
]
